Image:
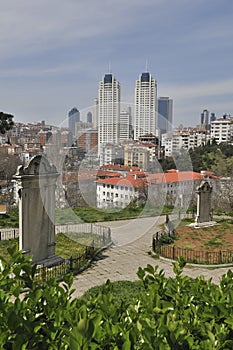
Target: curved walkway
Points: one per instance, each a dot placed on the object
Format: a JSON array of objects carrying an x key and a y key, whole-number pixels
[{"x": 132, "y": 242}]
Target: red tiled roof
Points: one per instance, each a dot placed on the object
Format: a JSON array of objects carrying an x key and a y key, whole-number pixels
[
  {"x": 176, "y": 176},
  {"x": 129, "y": 181},
  {"x": 118, "y": 167},
  {"x": 107, "y": 173},
  {"x": 137, "y": 172}
]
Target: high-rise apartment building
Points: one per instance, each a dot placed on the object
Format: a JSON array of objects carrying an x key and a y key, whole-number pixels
[
  {"x": 108, "y": 110},
  {"x": 125, "y": 130},
  {"x": 145, "y": 109},
  {"x": 165, "y": 117},
  {"x": 73, "y": 117}
]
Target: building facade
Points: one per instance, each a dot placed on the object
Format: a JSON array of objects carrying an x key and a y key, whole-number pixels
[
  {"x": 108, "y": 110},
  {"x": 119, "y": 192},
  {"x": 125, "y": 128},
  {"x": 145, "y": 108},
  {"x": 73, "y": 118},
  {"x": 222, "y": 130},
  {"x": 165, "y": 114},
  {"x": 88, "y": 140}
]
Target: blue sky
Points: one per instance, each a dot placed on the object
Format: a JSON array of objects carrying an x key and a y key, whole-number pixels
[{"x": 54, "y": 53}]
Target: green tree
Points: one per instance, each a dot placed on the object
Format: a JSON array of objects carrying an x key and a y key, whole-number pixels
[{"x": 6, "y": 122}]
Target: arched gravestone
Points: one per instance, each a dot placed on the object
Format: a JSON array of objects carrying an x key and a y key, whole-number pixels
[
  {"x": 36, "y": 184},
  {"x": 204, "y": 202}
]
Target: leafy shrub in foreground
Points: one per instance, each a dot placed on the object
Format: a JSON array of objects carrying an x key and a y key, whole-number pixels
[{"x": 167, "y": 313}]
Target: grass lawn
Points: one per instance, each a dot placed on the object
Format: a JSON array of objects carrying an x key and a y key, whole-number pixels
[
  {"x": 65, "y": 247},
  {"x": 214, "y": 238},
  {"x": 89, "y": 214}
]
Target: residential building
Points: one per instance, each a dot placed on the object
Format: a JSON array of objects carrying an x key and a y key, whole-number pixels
[
  {"x": 119, "y": 192},
  {"x": 174, "y": 141},
  {"x": 111, "y": 153},
  {"x": 108, "y": 111},
  {"x": 145, "y": 108},
  {"x": 222, "y": 130},
  {"x": 165, "y": 114},
  {"x": 125, "y": 128},
  {"x": 173, "y": 187},
  {"x": 137, "y": 155},
  {"x": 88, "y": 140}
]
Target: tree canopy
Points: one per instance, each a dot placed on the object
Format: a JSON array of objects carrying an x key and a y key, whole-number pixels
[
  {"x": 211, "y": 157},
  {"x": 6, "y": 122}
]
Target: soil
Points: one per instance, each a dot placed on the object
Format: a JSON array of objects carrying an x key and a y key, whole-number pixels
[{"x": 214, "y": 238}]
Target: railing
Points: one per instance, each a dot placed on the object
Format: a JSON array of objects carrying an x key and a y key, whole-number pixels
[
  {"x": 73, "y": 265},
  {"x": 98, "y": 235},
  {"x": 193, "y": 256},
  {"x": 103, "y": 234},
  {"x": 8, "y": 233}
]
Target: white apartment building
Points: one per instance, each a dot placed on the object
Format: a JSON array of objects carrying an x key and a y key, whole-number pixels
[
  {"x": 145, "y": 109},
  {"x": 184, "y": 139},
  {"x": 108, "y": 110},
  {"x": 222, "y": 130},
  {"x": 110, "y": 152},
  {"x": 172, "y": 143},
  {"x": 119, "y": 192}
]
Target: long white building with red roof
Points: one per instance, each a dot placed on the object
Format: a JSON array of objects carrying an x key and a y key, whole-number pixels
[{"x": 173, "y": 187}]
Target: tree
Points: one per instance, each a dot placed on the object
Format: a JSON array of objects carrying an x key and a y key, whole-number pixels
[
  {"x": 8, "y": 165},
  {"x": 6, "y": 122}
]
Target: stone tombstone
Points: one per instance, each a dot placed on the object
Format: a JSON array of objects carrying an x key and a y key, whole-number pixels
[
  {"x": 203, "y": 202},
  {"x": 36, "y": 184}
]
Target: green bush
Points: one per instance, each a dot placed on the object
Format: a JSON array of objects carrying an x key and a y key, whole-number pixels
[
  {"x": 166, "y": 239},
  {"x": 166, "y": 313}
]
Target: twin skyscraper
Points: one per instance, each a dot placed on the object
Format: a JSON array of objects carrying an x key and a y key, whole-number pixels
[{"x": 146, "y": 117}]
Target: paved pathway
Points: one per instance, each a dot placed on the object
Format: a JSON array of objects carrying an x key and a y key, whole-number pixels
[{"x": 132, "y": 242}]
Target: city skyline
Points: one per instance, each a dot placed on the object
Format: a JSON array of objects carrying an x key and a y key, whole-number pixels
[{"x": 53, "y": 55}]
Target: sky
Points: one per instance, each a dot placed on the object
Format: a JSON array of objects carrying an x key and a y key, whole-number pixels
[{"x": 54, "y": 53}]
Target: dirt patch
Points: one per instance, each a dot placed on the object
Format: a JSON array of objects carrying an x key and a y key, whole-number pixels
[{"x": 214, "y": 238}]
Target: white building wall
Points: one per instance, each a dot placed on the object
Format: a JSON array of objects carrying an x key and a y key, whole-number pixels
[
  {"x": 222, "y": 130},
  {"x": 114, "y": 196},
  {"x": 145, "y": 109}
]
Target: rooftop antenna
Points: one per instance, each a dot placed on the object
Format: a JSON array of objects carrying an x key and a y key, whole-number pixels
[
  {"x": 146, "y": 66},
  {"x": 109, "y": 68}
]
